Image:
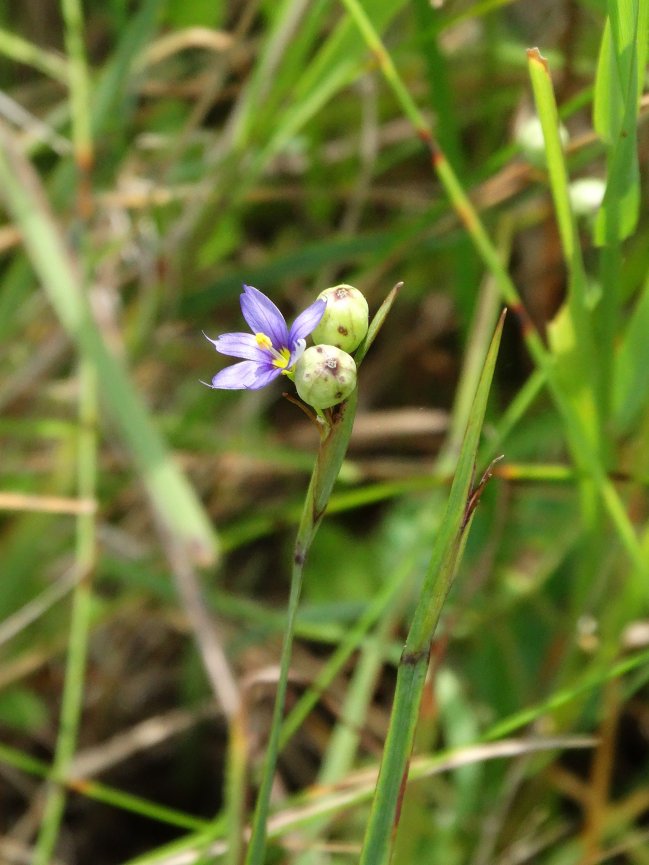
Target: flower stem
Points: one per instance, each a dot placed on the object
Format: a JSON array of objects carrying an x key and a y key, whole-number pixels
[
  {"x": 334, "y": 439},
  {"x": 333, "y": 446}
]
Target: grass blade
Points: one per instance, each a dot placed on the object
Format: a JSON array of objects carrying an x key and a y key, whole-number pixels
[
  {"x": 384, "y": 816},
  {"x": 620, "y": 76}
]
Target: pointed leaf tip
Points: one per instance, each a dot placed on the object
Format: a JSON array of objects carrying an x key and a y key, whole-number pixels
[{"x": 535, "y": 56}]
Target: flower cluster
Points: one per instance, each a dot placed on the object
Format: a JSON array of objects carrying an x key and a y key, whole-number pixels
[
  {"x": 324, "y": 374},
  {"x": 270, "y": 350}
]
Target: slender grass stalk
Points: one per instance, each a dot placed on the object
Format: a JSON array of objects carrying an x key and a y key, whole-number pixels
[
  {"x": 447, "y": 552},
  {"x": 571, "y": 333},
  {"x": 20, "y": 50},
  {"x": 99, "y": 792},
  {"x": 586, "y": 683},
  {"x": 72, "y": 700},
  {"x": 619, "y": 85},
  {"x": 332, "y": 450},
  {"x": 558, "y": 173},
  {"x": 606, "y": 324},
  {"x": 479, "y": 338},
  {"x": 78, "y": 82},
  {"x": 333, "y": 447},
  {"x": 236, "y": 785},
  {"x": 85, "y": 557}
]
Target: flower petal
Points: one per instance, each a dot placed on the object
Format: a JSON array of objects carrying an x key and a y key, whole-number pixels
[
  {"x": 264, "y": 377},
  {"x": 239, "y": 376},
  {"x": 241, "y": 345},
  {"x": 306, "y": 321},
  {"x": 298, "y": 350},
  {"x": 262, "y": 316}
]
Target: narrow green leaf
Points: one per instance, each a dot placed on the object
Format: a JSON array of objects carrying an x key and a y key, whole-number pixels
[
  {"x": 607, "y": 109},
  {"x": 631, "y": 382},
  {"x": 618, "y": 215},
  {"x": 629, "y": 20},
  {"x": 376, "y": 324},
  {"x": 449, "y": 545},
  {"x": 570, "y": 334},
  {"x": 102, "y": 792},
  {"x": 558, "y": 173},
  {"x": 619, "y": 82}
]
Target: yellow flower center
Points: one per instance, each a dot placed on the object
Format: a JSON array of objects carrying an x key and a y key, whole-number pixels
[
  {"x": 264, "y": 341},
  {"x": 281, "y": 358}
]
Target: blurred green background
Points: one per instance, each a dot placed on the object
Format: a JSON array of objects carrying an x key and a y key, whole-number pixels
[{"x": 156, "y": 156}]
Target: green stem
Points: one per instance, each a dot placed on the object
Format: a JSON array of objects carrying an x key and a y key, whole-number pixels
[
  {"x": 99, "y": 792},
  {"x": 72, "y": 699},
  {"x": 235, "y": 787},
  {"x": 19, "y": 50},
  {"x": 73, "y": 689},
  {"x": 350, "y": 642},
  {"x": 333, "y": 447}
]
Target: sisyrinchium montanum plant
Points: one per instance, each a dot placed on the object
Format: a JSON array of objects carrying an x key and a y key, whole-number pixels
[{"x": 325, "y": 377}]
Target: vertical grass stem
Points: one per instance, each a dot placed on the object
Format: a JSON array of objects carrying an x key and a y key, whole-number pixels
[{"x": 411, "y": 676}]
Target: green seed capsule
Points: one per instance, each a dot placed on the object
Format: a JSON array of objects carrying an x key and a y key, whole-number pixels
[
  {"x": 325, "y": 376},
  {"x": 344, "y": 323}
]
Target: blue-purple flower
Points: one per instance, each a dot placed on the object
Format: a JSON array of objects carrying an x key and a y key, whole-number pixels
[{"x": 271, "y": 349}]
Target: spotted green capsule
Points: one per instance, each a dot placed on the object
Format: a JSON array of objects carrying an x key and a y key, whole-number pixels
[
  {"x": 345, "y": 319},
  {"x": 324, "y": 376}
]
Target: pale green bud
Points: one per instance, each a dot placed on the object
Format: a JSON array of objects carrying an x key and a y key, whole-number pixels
[
  {"x": 324, "y": 376},
  {"x": 344, "y": 323}
]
